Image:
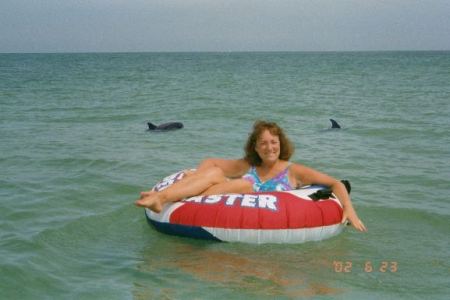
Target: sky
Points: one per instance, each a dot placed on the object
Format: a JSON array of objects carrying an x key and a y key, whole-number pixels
[{"x": 219, "y": 25}]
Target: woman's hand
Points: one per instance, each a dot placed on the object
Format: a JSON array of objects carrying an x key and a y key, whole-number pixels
[
  {"x": 305, "y": 175},
  {"x": 350, "y": 215}
]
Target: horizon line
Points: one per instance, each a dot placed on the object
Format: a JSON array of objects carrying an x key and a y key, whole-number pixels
[{"x": 222, "y": 51}]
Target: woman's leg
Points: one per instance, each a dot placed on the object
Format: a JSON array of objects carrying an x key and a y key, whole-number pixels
[
  {"x": 187, "y": 173},
  {"x": 192, "y": 185},
  {"x": 239, "y": 186}
]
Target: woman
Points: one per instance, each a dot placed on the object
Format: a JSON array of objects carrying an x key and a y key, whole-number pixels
[{"x": 265, "y": 167}]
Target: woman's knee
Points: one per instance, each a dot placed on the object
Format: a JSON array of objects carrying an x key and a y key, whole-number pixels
[{"x": 215, "y": 175}]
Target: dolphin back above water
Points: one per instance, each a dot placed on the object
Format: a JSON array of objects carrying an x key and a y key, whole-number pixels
[
  {"x": 165, "y": 126},
  {"x": 334, "y": 124}
]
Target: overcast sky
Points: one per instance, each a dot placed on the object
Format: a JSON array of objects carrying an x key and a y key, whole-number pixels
[{"x": 219, "y": 25}]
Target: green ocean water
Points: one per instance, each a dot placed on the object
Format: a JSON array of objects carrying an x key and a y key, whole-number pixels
[{"x": 75, "y": 153}]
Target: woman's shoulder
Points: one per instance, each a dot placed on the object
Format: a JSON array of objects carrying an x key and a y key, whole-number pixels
[
  {"x": 297, "y": 168},
  {"x": 291, "y": 164}
]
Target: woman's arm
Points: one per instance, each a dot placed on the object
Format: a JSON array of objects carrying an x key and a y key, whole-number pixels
[{"x": 304, "y": 176}]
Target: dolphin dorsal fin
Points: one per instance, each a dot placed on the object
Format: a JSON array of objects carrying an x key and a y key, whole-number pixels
[
  {"x": 151, "y": 126},
  {"x": 334, "y": 124}
]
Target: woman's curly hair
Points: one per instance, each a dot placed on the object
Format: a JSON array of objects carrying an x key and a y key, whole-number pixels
[{"x": 286, "y": 147}]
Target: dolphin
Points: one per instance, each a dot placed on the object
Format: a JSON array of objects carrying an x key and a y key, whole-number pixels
[
  {"x": 165, "y": 126},
  {"x": 334, "y": 124}
]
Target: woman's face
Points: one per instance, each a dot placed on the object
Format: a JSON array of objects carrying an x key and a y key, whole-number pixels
[{"x": 268, "y": 147}]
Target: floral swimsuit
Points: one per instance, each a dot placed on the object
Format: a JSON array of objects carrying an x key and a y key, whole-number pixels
[{"x": 278, "y": 183}]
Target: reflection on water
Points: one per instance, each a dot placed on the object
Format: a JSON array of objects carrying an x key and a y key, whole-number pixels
[{"x": 197, "y": 269}]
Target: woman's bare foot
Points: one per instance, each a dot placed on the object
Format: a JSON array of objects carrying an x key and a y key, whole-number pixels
[
  {"x": 146, "y": 194},
  {"x": 153, "y": 202}
]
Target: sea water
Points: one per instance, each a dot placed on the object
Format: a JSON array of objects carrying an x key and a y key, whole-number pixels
[{"x": 75, "y": 153}]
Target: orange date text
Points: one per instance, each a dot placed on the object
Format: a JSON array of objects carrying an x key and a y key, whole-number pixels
[{"x": 367, "y": 266}]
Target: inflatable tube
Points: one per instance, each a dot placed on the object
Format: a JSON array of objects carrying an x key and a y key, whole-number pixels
[{"x": 260, "y": 217}]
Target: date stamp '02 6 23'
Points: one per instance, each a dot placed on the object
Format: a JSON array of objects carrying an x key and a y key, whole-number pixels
[{"x": 368, "y": 266}]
